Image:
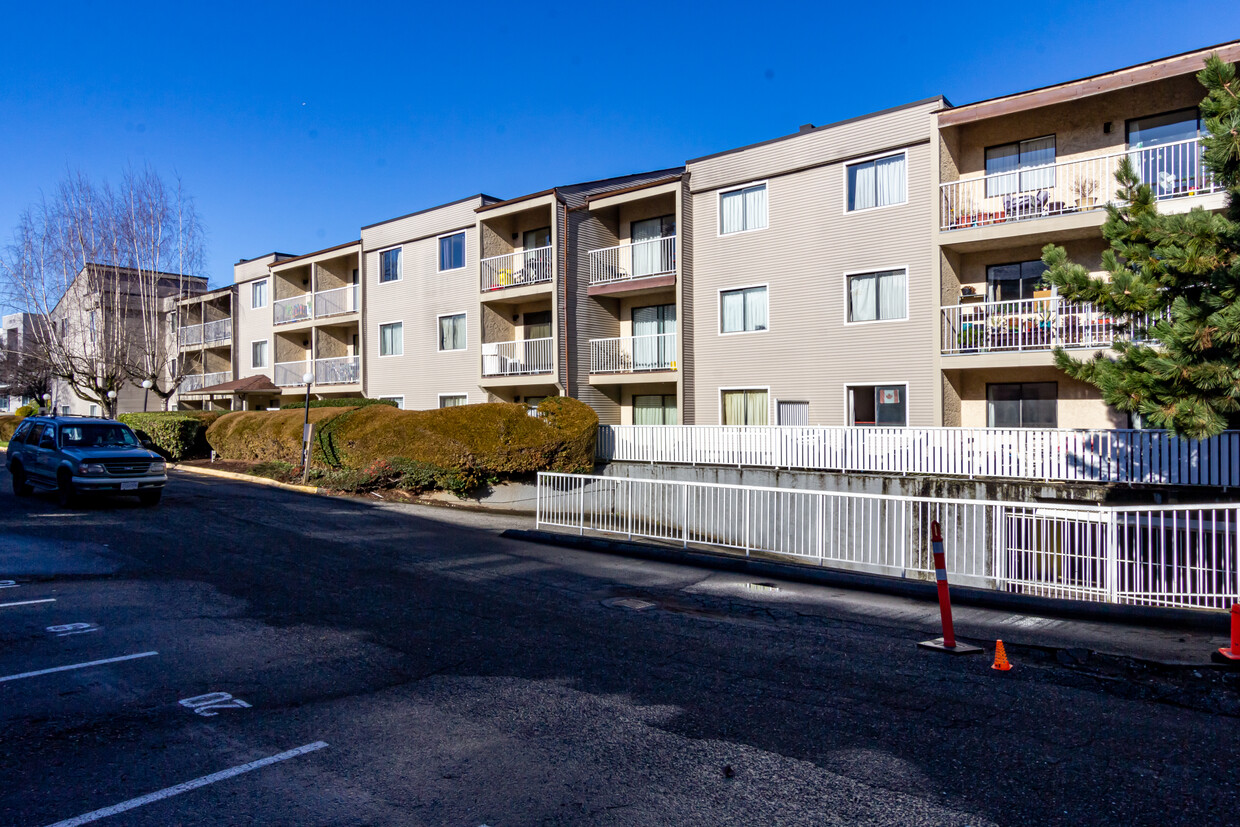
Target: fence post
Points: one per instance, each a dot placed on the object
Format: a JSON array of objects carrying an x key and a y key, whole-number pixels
[
  {"x": 581, "y": 508},
  {"x": 1112, "y": 557},
  {"x": 629, "y": 503},
  {"x": 684, "y": 515},
  {"x": 746, "y": 523},
  {"x": 538, "y": 489}
]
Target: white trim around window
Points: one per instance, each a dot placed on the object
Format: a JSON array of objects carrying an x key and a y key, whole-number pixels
[
  {"x": 266, "y": 353},
  {"x": 379, "y": 339},
  {"x": 848, "y": 274},
  {"x": 266, "y": 282},
  {"x": 866, "y": 160},
  {"x": 464, "y": 251},
  {"x": 867, "y": 383},
  {"x": 464, "y": 395},
  {"x": 400, "y": 264},
  {"x": 719, "y": 395},
  {"x": 719, "y": 233},
  {"x": 399, "y": 400},
  {"x": 719, "y": 309},
  {"x": 439, "y": 332}
]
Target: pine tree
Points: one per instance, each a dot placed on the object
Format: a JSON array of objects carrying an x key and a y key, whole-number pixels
[{"x": 1181, "y": 372}]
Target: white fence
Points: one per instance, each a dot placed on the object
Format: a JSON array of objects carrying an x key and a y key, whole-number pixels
[
  {"x": 637, "y": 260},
  {"x": 1173, "y": 170},
  {"x": 335, "y": 302},
  {"x": 297, "y": 309},
  {"x": 289, "y": 374},
  {"x": 219, "y": 330},
  {"x": 1032, "y": 324},
  {"x": 1123, "y": 456},
  {"x": 196, "y": 381},
  {"x": 517, "y": 358},
  {"x": 1173, "y": 556},
  {"x": 516, "y": 269},
  {"x": 341, "y": 370},
  {"x": 631, "y": 354}
]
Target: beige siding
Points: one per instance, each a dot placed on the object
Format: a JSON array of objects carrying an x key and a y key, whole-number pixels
[{"x": 252, "y": 324}]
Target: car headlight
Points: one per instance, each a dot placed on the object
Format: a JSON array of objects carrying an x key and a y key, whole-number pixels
[
  {"x": 91, "y": 468},
  {"x": 159, "y": 467}
]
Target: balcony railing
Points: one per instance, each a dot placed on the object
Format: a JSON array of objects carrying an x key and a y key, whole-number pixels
[
  {"x": 341, "y": 370},
  {"x": 190, "y": 335},
  {"x": 335, "y": 302},
  {"x": 637, "y": 260},
  {"x": 633, "y": 354},
  {"x": 289, "y": 374},
  {"x": 1033, "y": 324},
  {"x": 517, "y": 358},
  {"x": 218, "y": 331},
  {"x": 1173, "y": 170},
  {"x": 197, "y": 381},
  {"x": 516, "y": 269},
  {"x": 297, "y": 309}
]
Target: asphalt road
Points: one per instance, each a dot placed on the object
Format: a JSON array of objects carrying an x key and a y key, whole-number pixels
[{"x": 406, "y": 665}]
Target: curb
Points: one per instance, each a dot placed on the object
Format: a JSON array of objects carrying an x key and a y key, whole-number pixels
[
  {"x": 924, "y": 590},
  {"x": 232, "y": 475}
]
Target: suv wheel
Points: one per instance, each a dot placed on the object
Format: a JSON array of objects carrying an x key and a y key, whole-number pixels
[
  {"x": 150, "y": 496},
  {"x": 21, "y": 488},
  {"x": 65, "y": 493}
]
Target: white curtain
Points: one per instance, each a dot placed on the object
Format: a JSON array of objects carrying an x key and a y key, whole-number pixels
[
  {"x": 861, "y": 292},
  {"x": 734, "y": 408},
  {"x": 646, "y": 247},
  {"x": 755, "y": 408},
  {"x": 889, "y": 183},
  {"x": 1002, "y": 163},
  {"x": 732, "y": 212},
  {"x": 861, "y": 186},
  {"x": 893, "y": 295},
  {"x": 733, "y": 311},
  {"x": 755, "y": 208},
  {"x": 451, "y": 401},
  {"x": 654, "y": 409},
  {"x": 390, "y": 339},
  {"x": 755, "y": 308},
  {"x": 1038, "y": 152},
  {"x": 452, "y": 332}
]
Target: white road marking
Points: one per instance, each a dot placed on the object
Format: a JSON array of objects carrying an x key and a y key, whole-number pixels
[
  {"x": 73, "y": 629},
  {"x": 168, "y": 792},
  {"x": 203, "y": 704},
  {"x": 27, "y": 602},
  {"x": 8, "y": 584},
  {"x": 75, "y": 666}
]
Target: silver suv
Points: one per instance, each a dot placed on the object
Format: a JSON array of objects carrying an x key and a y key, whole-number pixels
[{"x": 75, "y": 455}]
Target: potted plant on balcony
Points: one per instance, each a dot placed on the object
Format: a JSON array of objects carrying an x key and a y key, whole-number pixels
[
  {"x": 1085, "y": 188},
  {"x": 970, "y": 337}
]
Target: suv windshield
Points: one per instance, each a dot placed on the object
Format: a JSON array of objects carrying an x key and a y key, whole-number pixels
[{"x": 97, "y": 435}]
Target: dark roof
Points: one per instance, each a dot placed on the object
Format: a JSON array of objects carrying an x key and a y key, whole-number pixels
[
  {"x": 486, "y": 199},
  {"x": 249, "y": 384},
  {"x": 316, "y": 252},
  {"x": 575, "y": 195},
  {"x": 279, "y": 257}
]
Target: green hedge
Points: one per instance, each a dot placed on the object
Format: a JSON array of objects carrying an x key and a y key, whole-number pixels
[
  {"x": 454, "y": 448},
  {"x": 177, "y": 435},
  {"x": 336, "y": 403},
  {"x": 25, "y": 411},
  {"x": 8, "y": 424}
]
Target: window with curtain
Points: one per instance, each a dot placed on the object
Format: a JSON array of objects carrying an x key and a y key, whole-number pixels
[
  {"x": 745, "y": 407},
  {"x": 389, "y": 265},
  {"x": 1021, "y": 166},
  {"x": 884, "y": 405},
  {"x": 1012, "y": 282},
  {"x": 452, "y": 332},
  {"x": 258, "y": 294},
  {"x": 743, "y": 311},
  {"x": 392, "y": 339},
  {"x": 452, "y": 252},
  {"x": 399, "y": 400},
  {"x": 651, "y": 254},
  {"x": 653, "y": 348},
  {"x": 453, "y": 400},
  {"x": 1170, "y": 167},
  {"x": 1022, "y": 405},
  {"x": 258, "y": 354},
  {"x": 538, "y": 325},
  {"x": 881, "y": 296},
  {"x": 654, "y": 409},
  {"x": 878, "y": 183},
  {"x": 743, "y": 209}
]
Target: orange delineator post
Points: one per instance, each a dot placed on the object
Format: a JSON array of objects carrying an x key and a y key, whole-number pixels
[
  {"x": 1233, "y": 652},
  {"x": 948, "y": 642}
]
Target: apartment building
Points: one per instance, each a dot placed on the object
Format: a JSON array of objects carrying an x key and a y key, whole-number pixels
[
  {"x": 20, "y": 361},
  {"x": 1021, "y": 171}
]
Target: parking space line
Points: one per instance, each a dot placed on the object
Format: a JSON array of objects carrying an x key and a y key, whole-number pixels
[
  {"x": 168, "y": 792},
  {"x": 75, "y": 666},
  {"x": 27, "y": 602}
]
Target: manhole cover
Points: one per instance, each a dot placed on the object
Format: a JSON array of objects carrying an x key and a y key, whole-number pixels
[{"x": 630, "y": 603}]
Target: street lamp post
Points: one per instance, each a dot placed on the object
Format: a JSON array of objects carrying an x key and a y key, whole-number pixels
[
  {"x": 306, "y": 377},
  {"x": 146, "y": 392},
  {"x": 47, "y": 403},
  {"x": 111, "y": 404}
]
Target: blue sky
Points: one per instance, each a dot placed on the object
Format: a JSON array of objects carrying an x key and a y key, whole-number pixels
[{"x": 295, "y": 124}]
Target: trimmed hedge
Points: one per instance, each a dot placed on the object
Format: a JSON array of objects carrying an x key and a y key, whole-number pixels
[
  {"x": 25, "y": 411},
  {"x": 455, "y": 448},
  {"x": 8, "y": 424},
  {"x": 336, "y": 403},
  {"x": 177, "y": 435}
]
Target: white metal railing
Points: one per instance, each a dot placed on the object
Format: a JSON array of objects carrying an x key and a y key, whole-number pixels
[
  {"x": 1033, "y": 324},
  {"x": 335, "y": 302},
  {"x": 219, "y": 330},
  {"x": 289, "y": 374},
  {"x": 197, "y": 381},
  {"x": 517, "y": 358},
  {"x": 340, "y": 370},
  {"x": 636, "y": 260},
  {"x": 297, "y": 309},
  {"x": 190, "y": 334},
  {"x": 1173, "y": 170},
  {"x": 1171, "y": 556},
  {"x": 516, "y": 269},
  {"x": 1102, "y": 455},
  {"x": 632, "y": 354}
]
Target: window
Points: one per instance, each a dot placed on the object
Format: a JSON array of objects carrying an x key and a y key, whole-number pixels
[
  {"x": 1161, "y": 157},
  {"x": 453, "y": 400},
  {"x": 742, "y": 210},
  {"x": 743, "y": 310},
  {"x": 745, "y": 407},
  {"x": 1013, "y": 166},
  {"x": 877, "y": 183},
  {"x": 878, "y": 405},
  {"x": 654, "y": 409},
  {"x": 538, "y": 325},
  {"x": 452, "y": 332},
  {"x": 1022, "y": 405},
  {"x": 399, "y": 400},
  {"x": 389, "y": 265},
  {"x": 654, "y": 340},
  {"x": 1012, "y": 282},
  {"x": 392, "y": 339},
  {"x": 452, "y": 252},
  {"x": 258, "y": 354},
  {"x": 94, "y": 410},
  {"x": 258, "y": 295},
  {"x": 881, "y": 296},
  {"x": 652, "y": 253},
  {"x": 788, "y": 412}
]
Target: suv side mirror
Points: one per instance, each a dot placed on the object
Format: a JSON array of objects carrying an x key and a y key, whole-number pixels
[{"x": 145, "y": 440}]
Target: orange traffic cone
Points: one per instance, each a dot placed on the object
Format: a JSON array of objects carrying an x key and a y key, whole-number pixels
[{"x": 1001, "y": 661}]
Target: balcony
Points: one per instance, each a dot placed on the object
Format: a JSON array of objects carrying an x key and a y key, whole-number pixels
[
  {"x": 633, "y": 354},
  {"x": 289, "y": 374},
  {"x": 1031, "y": 325},
  {"x": 342, "y": 370},
  {"x": 197, "y": 381},
  {"x": 517, "y": 358},
  {"x": 516, "y": 269},
  {"x": 1173, "y": 170},
  {"x": 297, "y": 309},
  {"x": 637, "y": 260},
  {"x": 320, "y": 305}
]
